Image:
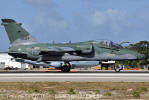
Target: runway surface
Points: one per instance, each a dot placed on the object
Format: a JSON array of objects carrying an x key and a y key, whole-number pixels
[{"x": 75, "y": 77}]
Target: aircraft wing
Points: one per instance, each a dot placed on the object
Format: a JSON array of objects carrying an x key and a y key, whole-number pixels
[{"x": 59, "y": 51}]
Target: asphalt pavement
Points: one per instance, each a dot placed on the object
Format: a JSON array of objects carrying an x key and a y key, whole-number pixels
[{"x": 78, "y": 76}]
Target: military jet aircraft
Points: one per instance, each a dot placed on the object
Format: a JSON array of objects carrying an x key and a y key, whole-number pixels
[{"x": 24, "y": 48}]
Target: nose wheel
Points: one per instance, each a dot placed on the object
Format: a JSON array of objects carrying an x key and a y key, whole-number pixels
[
  {"x": 117, "y": 68},
  {"x": 66, "y": 67}
]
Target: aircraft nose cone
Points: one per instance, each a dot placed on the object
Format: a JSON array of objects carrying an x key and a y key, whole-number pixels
[
  {"x": 141, "y": 56},
  {"x": 131, "y": 54},
  {"x": 138, "y": 55}
]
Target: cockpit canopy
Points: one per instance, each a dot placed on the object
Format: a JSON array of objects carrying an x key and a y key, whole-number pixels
[{"x": 109, "y": 44}]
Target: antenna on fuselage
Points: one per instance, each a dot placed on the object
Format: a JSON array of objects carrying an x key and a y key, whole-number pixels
[
  {"x": 53, "y": 42},
  {"x": 70, "y": 41}
]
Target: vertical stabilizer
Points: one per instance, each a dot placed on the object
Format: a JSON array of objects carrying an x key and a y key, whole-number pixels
[{"x": 16, "y": 34}]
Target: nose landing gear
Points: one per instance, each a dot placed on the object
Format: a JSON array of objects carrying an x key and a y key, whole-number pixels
[{"x": 118, "y": 68}]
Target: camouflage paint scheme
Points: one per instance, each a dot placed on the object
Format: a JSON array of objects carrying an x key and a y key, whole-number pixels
[
  {"x": 24, "y": 46},
  {"x": 72, "y": 52}
]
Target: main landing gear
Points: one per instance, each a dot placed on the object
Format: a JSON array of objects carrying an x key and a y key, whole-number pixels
[{"x": 66, "y": 67}]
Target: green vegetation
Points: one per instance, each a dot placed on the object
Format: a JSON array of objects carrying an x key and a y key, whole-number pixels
[
  {"x": 143, "y": 48},
  {"x": 108, "y": 94},
  {"x": 97, "y": 91},
  {"x": 36, "y": 91},
  {"x": 52, "y": 92},
  {"x": 136, "y": 94},
  {"x": 71, "y": 91},
  {"x": 144, "y": 89}
]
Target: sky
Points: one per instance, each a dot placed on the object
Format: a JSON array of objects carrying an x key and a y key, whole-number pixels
[{"x": 78, "y": 20}]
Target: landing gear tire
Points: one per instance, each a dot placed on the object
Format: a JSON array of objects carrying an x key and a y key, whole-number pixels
[
  {"x": 66, "y": 67},
  {"x": 117, "y": 68}
]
